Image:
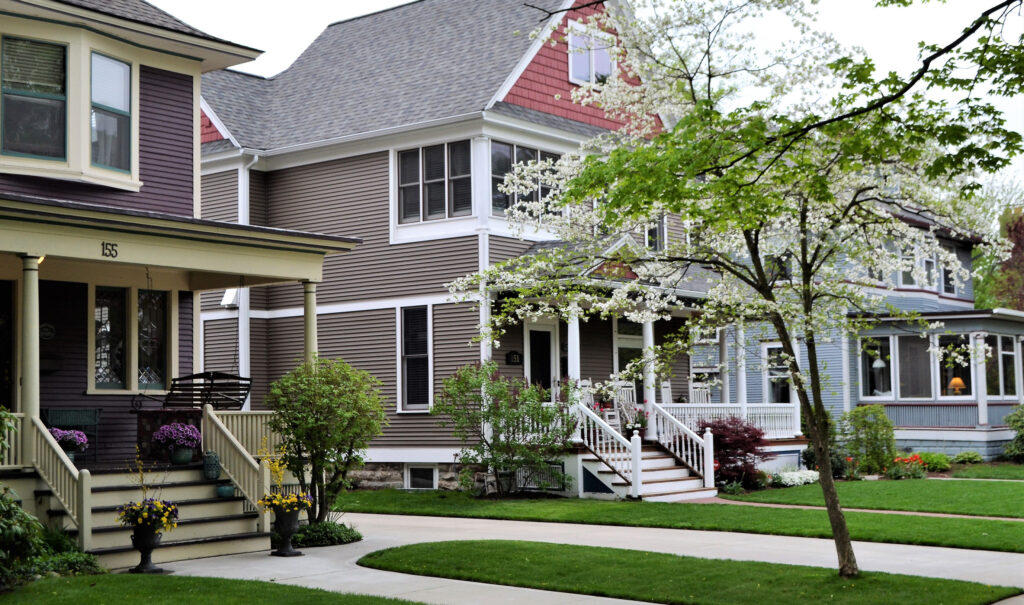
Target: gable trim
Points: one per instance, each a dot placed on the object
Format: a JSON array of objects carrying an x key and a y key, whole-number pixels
[
  {"x": 524, "y": 62},
  {"x": 216, "y": 121}
]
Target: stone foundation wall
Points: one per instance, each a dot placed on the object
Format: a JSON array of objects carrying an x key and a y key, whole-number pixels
[
  {"x": 988, "y": 449},
  {"x": 387, "y": 475}
]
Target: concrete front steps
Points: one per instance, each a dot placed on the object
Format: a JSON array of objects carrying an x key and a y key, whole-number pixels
[
  {"x": 663, "y": 478},
  {"x": 207, "y": 525}
]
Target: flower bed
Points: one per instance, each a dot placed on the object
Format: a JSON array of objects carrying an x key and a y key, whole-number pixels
[{"x": 794, "y": 478}]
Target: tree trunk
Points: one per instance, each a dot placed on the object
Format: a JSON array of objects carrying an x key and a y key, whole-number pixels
[{"x": 840, "y": 532}]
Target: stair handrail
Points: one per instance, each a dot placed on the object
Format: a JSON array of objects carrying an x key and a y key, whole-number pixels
[
  {"x": 72, "y": 487},
  {"x": 693, "y": 450},
  {"x": 252, "y": 478},
  {"x": 619, "y": 454}
]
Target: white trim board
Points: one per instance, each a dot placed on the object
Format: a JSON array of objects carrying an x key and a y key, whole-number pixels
[
  {"x": 412, "y": 454},
  {"x": 955, "y": 434},
  {"x": 217, "y": 123},
  {"x": 329, "y": 309}
]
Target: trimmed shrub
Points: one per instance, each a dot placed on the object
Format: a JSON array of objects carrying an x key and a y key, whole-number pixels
[
  {"x": 935, "y": 462},
  {"x": 64, "y": 563},
  {"x": 739, "y": 446},
  {"x": 1015, "y": 448},
  {"x": 837, "y": 456},
  {"x": 794, "y": 478},
  {"x": 968, "y": 458},
  {"x": 868, "y": 437},
  {"x": 325, "y": 534},
  {"x": 20, "y": 540}
]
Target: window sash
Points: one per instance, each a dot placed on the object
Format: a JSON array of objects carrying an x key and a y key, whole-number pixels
[
  {"x": 876, "y": 382},
  {"x": 110, "y": 120},
  {"x": 153, "y": 346},
  {"x": 435, "y": 182},
  {"x": 915, "y": 367},
  {"x": 504, "y": 157},
  {"x": 947, "y": 372},
  {"x": 33, "y": 82},
  {"x": 1001, "y": 367},
  {"x": 415, "y": 358},
  {"x": 110, "y": 330}
]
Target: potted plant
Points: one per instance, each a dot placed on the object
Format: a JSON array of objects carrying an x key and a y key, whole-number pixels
[
  {"x": 286, "y": 509},
  {"x": 70, "y": 441},
  {"x": 637, "y": 423},
  {"x": 180, "y": 439},
  {"x": 148, "y": 518}
]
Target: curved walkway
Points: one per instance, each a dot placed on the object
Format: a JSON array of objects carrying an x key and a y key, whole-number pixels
[
  {"x": 719, "y": 500},
  {"x": 334, "y": 568}
]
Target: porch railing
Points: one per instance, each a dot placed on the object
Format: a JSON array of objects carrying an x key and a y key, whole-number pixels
[
  {"x": 71, "y": 486},
  {"x": 777, "y": 420},
  {"x": 13, "y": 456},
  {"x": 250, "y": 477},
  {"x": 621, "y": 455},
  {"x": 250, "y": 428},
  {"x": 686, "y": 445}
]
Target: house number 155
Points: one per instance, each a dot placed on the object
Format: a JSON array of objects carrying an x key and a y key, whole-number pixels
[{"x": 109, "y": 249}]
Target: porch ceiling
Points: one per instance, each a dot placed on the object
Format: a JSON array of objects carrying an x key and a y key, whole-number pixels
[{"x": 210, "y": 254}]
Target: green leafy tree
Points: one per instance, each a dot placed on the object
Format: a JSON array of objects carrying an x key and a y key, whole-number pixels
[
  {"x": 868, "y": 436},
  {"x": 1014, "y": 450},
  {"x": 1001, "y": 285},
  {"x": 327, "y": 412},
  {"x": 506, "y": 425}
]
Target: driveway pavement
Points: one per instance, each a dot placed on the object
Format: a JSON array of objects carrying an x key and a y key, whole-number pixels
[{"x": 334, "y": 568}]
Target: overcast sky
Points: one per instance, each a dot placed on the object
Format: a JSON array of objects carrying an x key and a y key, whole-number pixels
[{"x": 283, "y": 29}]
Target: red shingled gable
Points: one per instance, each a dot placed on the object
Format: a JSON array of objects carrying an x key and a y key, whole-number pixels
[
  {"x": 547, "y": 76},
  {"x": 207, "y": 131}
]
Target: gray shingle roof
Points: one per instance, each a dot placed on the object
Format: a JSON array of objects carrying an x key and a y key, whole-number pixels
[
  {"x": 423, "y": 61},
  {"x": 143, "y": 12},
  {"x": 547, "y": 119}
]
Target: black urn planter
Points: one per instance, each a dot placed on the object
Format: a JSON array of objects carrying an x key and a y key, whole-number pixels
[
  {"x": 286, "y": 523},
  {"x": 145, "y": 538}
]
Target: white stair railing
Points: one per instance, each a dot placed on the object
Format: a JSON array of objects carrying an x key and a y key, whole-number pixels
[
  {"x": 621, "y": 455},
  {"x": 251, "y": 429},
  {"x": 687, "y": 446},
  {"x": 250, "y": 477},
  {"x": 13, "y": 456},
  {"x": 71, "y": 487}
]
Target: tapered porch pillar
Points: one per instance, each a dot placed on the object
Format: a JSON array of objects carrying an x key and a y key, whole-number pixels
[
  {"x": 309, "y": 319},
  {"x": 649, "y": 378},
  {"x": 573, "y": 331},
  {"x": 981, "y": 385},
  {"x": 29, "y": 350},
  {"x": 741, "y": 370}
]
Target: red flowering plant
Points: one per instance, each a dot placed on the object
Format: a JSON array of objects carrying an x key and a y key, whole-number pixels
[
  {"x": 851, "y": 472},
  {"x": 910, "y": 467}
]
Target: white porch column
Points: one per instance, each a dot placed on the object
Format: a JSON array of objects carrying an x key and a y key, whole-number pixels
[
  {"x": 244, "y": 338},
  {"x": 844, "y": 342},
  {"x": 741, "y": 370},
  {"x": 980, "y": 383},
  {"x": 650, "y": 393},
  {"x": 486, "y": 346},
  {"x": 1018, "y": 370},
  {"x": 723, "y": 364},
  {"x": 29, "y": 351},
  {"x": 574, "y": 347},
  {"x": 309, "y": 319}
]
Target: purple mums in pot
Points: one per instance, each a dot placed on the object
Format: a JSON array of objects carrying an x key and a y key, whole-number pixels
[
  {"x": 177, "y": 435},
  {"x": 70, "y": 441}
]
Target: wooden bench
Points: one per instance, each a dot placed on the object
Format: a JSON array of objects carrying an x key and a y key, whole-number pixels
[{"x": 221, "y": 390}]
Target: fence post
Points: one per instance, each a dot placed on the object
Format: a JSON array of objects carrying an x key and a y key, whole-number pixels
[
  {"x": 709, "y": 458},
  {"x": 84, "y": 497},
  {"x": 636, "y": 479}
]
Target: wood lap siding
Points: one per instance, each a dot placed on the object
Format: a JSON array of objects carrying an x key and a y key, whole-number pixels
[
  {"x": 185, "y": 329},
  {"x": 165, "y": 154},
  {"x": 503, "y": 248},
  {"x": 511, "y": 340},
  {"x": 596, "y": 349},
  {"x": 220, "y": 345},
  {"x": 350, "y": 197},
  {"x": 259, "y": 368},
  {"x": 680, "y": 366},
  {"x": 259, "y": 298},
  {"x": 455, "y": 326},
  {"x": 219, "y": 203}
]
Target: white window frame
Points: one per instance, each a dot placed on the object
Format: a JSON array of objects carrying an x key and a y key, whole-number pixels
[
  {"x": 892, "y": 369},
  {"x": 400, "y": 369},
  {"x": 542, "y": 325},
  {"x": 575, "y": 27},
  {"x": 933, "y": 379},
  {"x": 997, "y": 358},
  {"x": 407, "y": 475},
  {"x": 972, "y": 366},
  {"x": 93, "y": 105},
  {"x": 448, "y": 214},
  {"x": 131, "y": 341},
  {"x": 942, "y": 277},
  {"x": 662, "y": 229},
  {"x": 765, "y": 380},
  {"x": 514, "y": 198}
]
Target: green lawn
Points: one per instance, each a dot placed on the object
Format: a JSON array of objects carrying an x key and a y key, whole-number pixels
[
  {"x": 115, "y": 589},
  {"x": 664, "y": 578},
  {"x": 979, "y": 534},
  {"x": 988, "y": 498},
  {"x": 991, "y": 470}
]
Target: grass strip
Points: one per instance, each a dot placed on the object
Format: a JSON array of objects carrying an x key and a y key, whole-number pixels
[
  {"x": 665, "y": 578},
  {"x": 980, "y": 534},
  {"x": 987, "y": 498},
  {"x": 175, "y": 590},
  {"x": 994, "y": 470}
]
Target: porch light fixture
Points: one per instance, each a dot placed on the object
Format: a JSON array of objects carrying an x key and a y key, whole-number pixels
[
  {"x": 956, "y": 385},
  {"x": 878, "y": 364}
]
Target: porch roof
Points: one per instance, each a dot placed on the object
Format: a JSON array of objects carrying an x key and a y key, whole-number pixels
[{"x": 215, "y": 254}]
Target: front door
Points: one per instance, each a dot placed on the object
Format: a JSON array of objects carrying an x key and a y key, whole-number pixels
[
  {"x": 7, "y": 345},
  {"x": 541, "y": 359}
]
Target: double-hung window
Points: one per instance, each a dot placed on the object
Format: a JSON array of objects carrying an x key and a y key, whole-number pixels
[
  {"x": 915, "y": 363},
  {"x": 121, "y": 347},
  {"x": 657, "y": 235},
  {"x": 948, "y": 284},
  {"x": 110, "y": 114},
  {"x": 415, "y": 359},
  {"x": 434, "y": 182},
  {"x": 954, "y": 366},
  {"x": 1001, "y": 366},
  {"x": 776, "y": 375},
  {"x": 876, "y": 368},
  {"x": 503, "y": 156},
  {"x": 590, "y": 61},
  {"x": 34, "y": 84}
]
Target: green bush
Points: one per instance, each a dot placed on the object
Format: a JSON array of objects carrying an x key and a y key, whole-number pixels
[
  {"x": 1015, "y": 448},
  {"x": 58, "y": 541},
  {"x": 968, "y": 458},
  {"x": 868, "y": 437},
  {"x": 935, "y": 462},
  {"x": 326, "y": 534},
  {"x": 64, "y": 563},
  {"x": 910, "y": 467},
  {"x": 20, "y": 539}
]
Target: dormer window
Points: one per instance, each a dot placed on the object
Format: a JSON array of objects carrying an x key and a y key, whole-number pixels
[
  {"x": 111, "y": 116},
  {"x": 590, "y": 61},
  {"x": 34, "y": 99}
]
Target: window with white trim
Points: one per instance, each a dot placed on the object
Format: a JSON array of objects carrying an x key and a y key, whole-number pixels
[
  {"x": 415, "y": 359},
  {"x": 775, "y": 374},
  {"x": 915, "y": 367},
  {"x": 34, "y": 81},
  {"x": 948, "y": 285},
  {"x": 656, "y": 236},
  {"x": 130, "y": 356},
  {"x": 954, "y": 366},
  {"x": 434, "y": 182},
  {"x": 876, "y": 368},
  {"x": 1001, "y": 367},
  {"x": 111, "y": 113},
  {"x": 590, "y": 60},
  {"x": 420, "y": 476},
  {"x": 503, "y": 156}
]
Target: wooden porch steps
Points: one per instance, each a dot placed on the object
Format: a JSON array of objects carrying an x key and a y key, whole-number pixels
[{"x": 663, "y": 478}]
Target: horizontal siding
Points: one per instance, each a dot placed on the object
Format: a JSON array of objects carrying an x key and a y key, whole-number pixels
[
  {"x": 503, "y": 248},
  {"x": 220, "y": 196},
  {"x": 220, "y": 345},
  {"x": 258, "y": 198},
  {"x": 666, "y": 331},
  {"x": 185, "y": 330},
  {"x": 165, "y": 154},
  {"x": 259, "y": 369},
  {"x": 455, "y": 326},
  {"x": 596, "y": 349},
  {"x": 511, "y": 340},
  {"x": 350, "y": 197}
]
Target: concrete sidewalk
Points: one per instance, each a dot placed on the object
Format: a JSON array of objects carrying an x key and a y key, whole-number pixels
[{"x": 334, "y": 568}]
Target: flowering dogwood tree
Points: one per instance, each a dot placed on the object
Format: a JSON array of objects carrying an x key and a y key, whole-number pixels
[{"x": 783, "y": 200}]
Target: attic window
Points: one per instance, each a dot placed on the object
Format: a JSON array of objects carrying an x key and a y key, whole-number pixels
[{"x": 589, "y": 59}]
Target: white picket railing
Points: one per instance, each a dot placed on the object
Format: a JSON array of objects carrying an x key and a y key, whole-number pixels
[
  {"x": 621, "y": 455},
  {"x": 250, "y": 477},
  {"x": 250, "y": 428},
  {"x": 13, "y": 456},
  {"x": 695, "y": 451},
  {"x": 71, "y": 486},
  {"x": 777, "y": 420}
]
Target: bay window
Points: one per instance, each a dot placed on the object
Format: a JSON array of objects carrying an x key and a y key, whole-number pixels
[
  {"x": 34, "y": 85},
  {"x": 954, "y": 366},
  {"x": 876, "y": 368},
  {"x": 110, "y": 116},
  {"x": 503, "y": 156},
  {"x": 1000, "y": 368},
  {"x": 915, "y": 363},
  {"x": 434, "y": 182}
]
